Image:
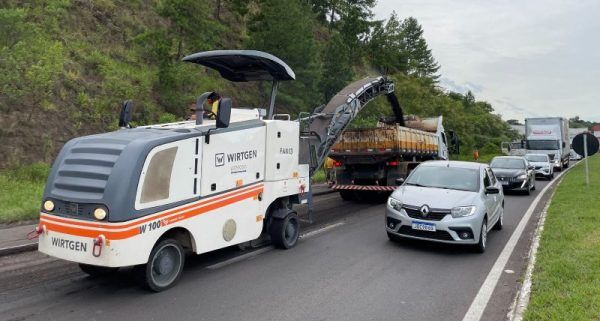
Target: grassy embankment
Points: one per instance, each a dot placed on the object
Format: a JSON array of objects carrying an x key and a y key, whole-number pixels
[
  {"x": 21, "y": 192},
  {"x": 566, "y": 279}
]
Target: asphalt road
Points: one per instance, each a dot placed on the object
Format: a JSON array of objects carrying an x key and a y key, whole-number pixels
[{"x": 346, "y": 269}]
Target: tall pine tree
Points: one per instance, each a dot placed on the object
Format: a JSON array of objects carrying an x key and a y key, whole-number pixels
[
  {"x": 419, "y": 58},
  {"x": 285, "y": 29}
]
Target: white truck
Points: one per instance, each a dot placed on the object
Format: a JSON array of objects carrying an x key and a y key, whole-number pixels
[
  {"x": 145, "y": 196},
  {"x": 549, "y": 135}
]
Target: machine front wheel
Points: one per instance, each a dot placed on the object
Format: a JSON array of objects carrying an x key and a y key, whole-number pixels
[
  {"x": 285, "y": 232},
  {"x": 165, "y": 265}
]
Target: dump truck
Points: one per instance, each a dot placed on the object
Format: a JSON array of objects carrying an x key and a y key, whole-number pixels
[{"x": 376, "y": 160}]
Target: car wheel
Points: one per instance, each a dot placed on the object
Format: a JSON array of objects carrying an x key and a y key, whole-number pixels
[
  {"x": 94, "y": 270},
  {"x": 393, "y": 237},
  {"x": 165, "y": 265},
  {"x": 481, "y": 246},
  {"x": 500, "y": 223},
  {"x": 285, "y": 232}
]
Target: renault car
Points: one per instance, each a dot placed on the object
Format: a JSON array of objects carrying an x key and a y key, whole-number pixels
[{"x": 446, "y": 201}]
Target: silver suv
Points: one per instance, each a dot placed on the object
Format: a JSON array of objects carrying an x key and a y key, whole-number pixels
[{"x": 447, "y": 201}]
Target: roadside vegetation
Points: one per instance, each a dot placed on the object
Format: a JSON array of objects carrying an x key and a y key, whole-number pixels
[
  {"x": 22, "y": 192},
  {"x": 566, "y": 279},
  {"x": 67, "y": 65}
]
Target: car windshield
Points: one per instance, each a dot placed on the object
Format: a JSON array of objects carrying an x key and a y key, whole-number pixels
[
  {"x": 510, "y": 163},
  {"x": 542, "y": 144},
  {"x": 463, "y": 179},
  {"x": 537, "y": 158}
]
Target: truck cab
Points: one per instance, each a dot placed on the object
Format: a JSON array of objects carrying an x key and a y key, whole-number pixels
[{"x": 550, "y": 136}]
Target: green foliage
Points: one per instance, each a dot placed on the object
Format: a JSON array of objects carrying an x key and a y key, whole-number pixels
[
  {"x": 72, "y": 63},
  {"x": 336, "y": 74},
  {"x": 285, "y": 29},
  {"x": 21, "y": 192},
  {"x": 577, "y": 122},
  {"x": 566, "y": 278}
]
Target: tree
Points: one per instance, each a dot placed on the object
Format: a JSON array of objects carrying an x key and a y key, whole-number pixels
[
  {"x": 386, "y": 46},
  {"x": 420, "y": 59},
  {"x": 355, "y": 24},
  {"x": 337, "y": 69},
  {"x": 285, "y": 29}
]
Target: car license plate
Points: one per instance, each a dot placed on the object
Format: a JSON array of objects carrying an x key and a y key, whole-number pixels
[{"x": 422, "y": 226}]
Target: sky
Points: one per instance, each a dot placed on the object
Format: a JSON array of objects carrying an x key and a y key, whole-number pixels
[{"x": 528, "y": 58}]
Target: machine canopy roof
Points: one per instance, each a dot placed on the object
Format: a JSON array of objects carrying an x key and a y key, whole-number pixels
[{"x": 244, "y": 65}]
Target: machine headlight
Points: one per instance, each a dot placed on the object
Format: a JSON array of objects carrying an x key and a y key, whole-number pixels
[
  {"x": 522, "y": 176},
  {"x": 100, "y": 213},
  {"x": 463, "y": 211},
  {"x": 395, "y": 204},
  {"x": 49, "y": 206}
]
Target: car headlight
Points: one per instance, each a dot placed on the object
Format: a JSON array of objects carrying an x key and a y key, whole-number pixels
[
  {"x": 522, "y": 176},
  {"x": 463, "y": 211},
  {"x": 100, "y": 213},
  {"x": 395, "y": 204},
  {"x": 556, "y": 162}
]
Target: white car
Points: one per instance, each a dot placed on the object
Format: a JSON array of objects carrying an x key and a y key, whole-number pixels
[
  {"x": 447, "y": 201},
  {"x": 542, "y": 166}
]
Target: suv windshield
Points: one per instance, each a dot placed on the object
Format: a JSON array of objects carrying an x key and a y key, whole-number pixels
[
  {"x": 464, "y": 179},
  {"x": 511, "y": 163},
  {"x": 537, "y": 158},
  {"x": 542, "y": 144}
]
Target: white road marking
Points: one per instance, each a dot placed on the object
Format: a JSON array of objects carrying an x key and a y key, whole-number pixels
[
  {"x": 487, "y": 288},
  {"x": 269, "y": 248},
  {"x": 321, "y": 230},
  {"x": 522, "y": 298},
  {"x": 240, "y": 258}
]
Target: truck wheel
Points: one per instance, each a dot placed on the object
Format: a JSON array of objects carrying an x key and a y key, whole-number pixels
[
  {"x": 285, "y": 232},
  {"x": 348, "y": 195},
  {"x": 165, "y": 265},
  {"x": 95, "y": 270}
]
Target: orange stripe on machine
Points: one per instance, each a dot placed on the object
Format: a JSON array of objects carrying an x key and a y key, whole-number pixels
[{"x": 123, "y": 231}]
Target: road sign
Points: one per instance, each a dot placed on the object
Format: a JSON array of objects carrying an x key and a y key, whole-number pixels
[{"x": 592, "y": 144}]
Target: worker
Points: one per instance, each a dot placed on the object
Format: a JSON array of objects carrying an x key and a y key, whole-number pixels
[
  {"x": 213, "y": 101},
  {"x": 192, "y": 111},
  {"x": 329, "y": 171}
]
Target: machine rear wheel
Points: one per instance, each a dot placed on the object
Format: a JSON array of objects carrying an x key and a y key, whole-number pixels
[
  {"x": 285, "y": 232},
  {"x": 94, "y": 270},
  {"x": 165, "y": 265}
]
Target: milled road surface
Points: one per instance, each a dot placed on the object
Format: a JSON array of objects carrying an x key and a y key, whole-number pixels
[{"x": 349, "y": 271}]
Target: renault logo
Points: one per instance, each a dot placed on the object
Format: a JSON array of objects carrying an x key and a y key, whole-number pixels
[{"x": 424, "y": 210}]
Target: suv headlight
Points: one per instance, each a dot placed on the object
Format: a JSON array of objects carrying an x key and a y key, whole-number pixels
[
  {"x": 394, "y": 203},
  {"x": 522, "y": 176},
  {"x": 463, "y": 211}
]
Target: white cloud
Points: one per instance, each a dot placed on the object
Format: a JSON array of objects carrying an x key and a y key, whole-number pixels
[{"x": 528, "y": 58}]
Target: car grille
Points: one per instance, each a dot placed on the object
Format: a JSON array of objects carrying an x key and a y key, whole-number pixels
[
  {"x": 437, "y": 235},
  {"x": 506, "y": 179},
  {"x": 433, "y": 215}
]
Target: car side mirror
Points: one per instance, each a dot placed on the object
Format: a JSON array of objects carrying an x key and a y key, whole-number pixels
[
  {"x": 224, "y": 113},
  {"x": 125, "y": 116},
  {"x": 223, "y": 117},
  {"x": 399, "y": 180},
  {"x": 492, "y": 190}
]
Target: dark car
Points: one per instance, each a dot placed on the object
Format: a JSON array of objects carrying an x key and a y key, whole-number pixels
[{"x": 514, "y": 172}]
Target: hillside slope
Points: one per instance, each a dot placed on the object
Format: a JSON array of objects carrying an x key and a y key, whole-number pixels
[{"x": 66, "y": 65}]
